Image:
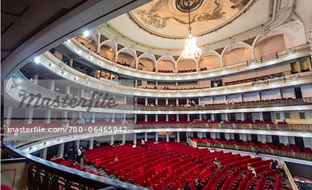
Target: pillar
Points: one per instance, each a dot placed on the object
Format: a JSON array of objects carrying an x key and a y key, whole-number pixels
[
  {"x": 200, "y": 117},
  {"x": 125, "y": 100},
  {"x": 61, "y": 149},
  {"x": 269, "y": 138},
  {"x": 167, "y": 136},
  {"x": 52, "y": 85},
  {"x": 243, "y": 137},
  {"x": 178, "y": 136},
  {"x": 81, "y": 93},
  {"x": 156, "y": 136},
  {"x": 134, "y": 138},
  {"x": 29, "y": 115},
  {"x": 112, "y": 140},
  {"x": 145, "y": 117},
  {"x": 177, "y": 117},
  {"x": 67, "y": 89},
  {"x": 48, "y": 115},
  {"x": 44, "y": 153},
  {"x": 135, "y": 118},
  {"x": 145, "y": 136},
  {"x": 167, "y": 102},
  {"x": 77, "y": 143},
  {"x": 188, "y": 117},
  {"x": 227, "y": 136},
  {"x": 91, "y": 143},
  {"x": 93, "y": 118},
  {"x": 261, "y": 116},
  {"x": 71, "y": 62},
  {"x": 177, "y": 102},
  {"x": 243, "y": 116},
  {"x": 226, "y": 116},
  {"x": 156, "y": 117},
  {"x": 113, "y": 117},
  {"x": 146, "y": 101},
  {"x": 156, "y": 101},
  {"x": 167, "y": 117},
  {"x": 123, "y": 138},
  {"x": 212, "y": 117},
  {"x": 9, "y": 115},
  {"x": 124, "y": 117},
  {"x": 36, "y": 79}
]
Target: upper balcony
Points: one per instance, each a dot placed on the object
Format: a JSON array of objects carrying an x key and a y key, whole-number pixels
[{"x": 175, "y": 75}]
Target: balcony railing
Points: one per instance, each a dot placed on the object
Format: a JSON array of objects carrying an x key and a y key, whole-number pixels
[
  {"x": 43, "y": 174},
  {"x": 289, "y": 154},
  {"x": 267, "y": 60}
]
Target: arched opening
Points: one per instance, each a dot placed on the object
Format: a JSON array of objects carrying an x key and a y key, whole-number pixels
[
  {"x": 165, "y": 66},
  {"x": 107, "y": 52},
  {"x": 126, "y": 59},
  {"x": 209, "y": 62},
  {"x": 237, "y": 55},
  {"x": 270, "y": 45},
  {"x": 146, "y": 64},
  {"x": 186, "y": 65}
]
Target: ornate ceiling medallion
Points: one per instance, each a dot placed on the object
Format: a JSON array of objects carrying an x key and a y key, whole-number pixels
[{"x": 182, "y": 5}]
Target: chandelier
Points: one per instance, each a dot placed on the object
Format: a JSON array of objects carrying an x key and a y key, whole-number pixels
[{"x": 190, "y": 49}]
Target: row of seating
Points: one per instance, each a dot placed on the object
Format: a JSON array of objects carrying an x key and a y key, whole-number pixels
[{"x": 158, "y": 165}]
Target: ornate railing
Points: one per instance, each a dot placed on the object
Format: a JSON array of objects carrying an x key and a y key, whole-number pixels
[
  {"x": 43, "y": 174},
  {"x": 283, "y": 153}
]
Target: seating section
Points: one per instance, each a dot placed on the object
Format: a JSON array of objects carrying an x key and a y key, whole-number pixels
[
  {"x": 158, "y": 165},
  {"x": 280, "y": 146},
  {"x": 203, "y": 122},
  {"x": 165, "y": 71},
  {"x": 69, "y": 163},
  {"x": 186, "y": 70},
  {"x": 255, "y": 79},
  {"x": 203, "y": 69}
]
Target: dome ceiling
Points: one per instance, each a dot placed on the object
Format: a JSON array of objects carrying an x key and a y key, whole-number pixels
[
  {"x": 160, "y": 26},
  {"x": 169, "y": 18}
]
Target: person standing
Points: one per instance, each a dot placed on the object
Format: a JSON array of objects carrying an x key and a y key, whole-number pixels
[
  {"x": 198, "y": 185},
  {"x": 142, "y": 143},
  {"x": 187, "y": 187},
  {"x": 83, "y": 155}
]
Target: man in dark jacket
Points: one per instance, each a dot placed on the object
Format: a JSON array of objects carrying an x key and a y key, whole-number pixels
[
  {"x": 198, "y": 185},
  {"x": 187, "y": 187}
]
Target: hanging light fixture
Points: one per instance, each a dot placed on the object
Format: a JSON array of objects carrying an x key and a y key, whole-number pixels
[{"x": 190, "y": 49}]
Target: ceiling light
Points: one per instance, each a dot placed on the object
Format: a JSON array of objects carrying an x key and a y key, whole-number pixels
[
  {"x": 191, "y": 50},
  {"x": 86, "y": 33},
  {"x": 37, "y": 60}
]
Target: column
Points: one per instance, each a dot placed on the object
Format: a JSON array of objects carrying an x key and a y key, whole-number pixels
[
  {"x": 44, "y": 153},
  {"x": 124, "y": 117},
  {"x": 243, "y": 137},
  {"x": 178, "y": 136},
  {"x": 243, "y": 116},
  {"x": 188, "y": 117},
  {"x": 212, "y": 117},
  {"x": 200, "y": 117},
  {"x": 61, "y": 149},
  {"x": 135, "y": 118},
  {"x": 125, "y": 100},
  {"x": 113, "y": 117},
  {"x": 123, "y": 138},
  {"x": 146, "y": 101},
  {"x": 71, "y": 62},
  {"x": 93, "y": 118},
  {"x": 91, "y": 143},
  {"x": 187, "y": 100},
  {"x": 167, "y": 136},
  {"x": 29, "y": 115},
  {"x": 156, "y": 137},
  {"x": 307, "y": 142},
  {"x": 241, "y": 97},
  {"x": 199, "y": 101},
  {"x": 145, "y": 117},
  {"x": 52, "y": 85},
  {"x": 177, "y": 102},
  {"x": 134, "y": 138},
  {"x": 81, "y": 93},
  {"x": 77, "y": 143},
  {"x": 261, "y": 116},
  {"x": 227, "y": 136},
  {"x": 213, "y": 135},
  {"x": 48, "y": 115},
  {"x": 156, "y": 101},
  {"x": 177, "y": 117},
  {"x": 136, "y": 83},
  {"x": 261, "y": 138},
  {"x": 156, "y": 117},
  {"x": 226, "y": 116},
  {"x": 36, "y": 79},
  {"x": 145, "y": 136},
  {"x": 167, "y": 117},
  {"x": 67, "y": 89},
  {"x": 112, "y": 140},
  {"x": 269, "y": 138},
  {"x": 249, "y": 137},
  {"x": 9, "y": 115},
  {"x": 65, "y": 114},
  {"x": 167, "y": 102}
]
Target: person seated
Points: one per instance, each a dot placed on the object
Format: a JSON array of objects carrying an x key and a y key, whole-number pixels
[
  {"x": 115, "y": 159},
  {"x": 168, "y": 187},
  {"x": 187, "y": 187},
  {"x": 251, "y": 169},
  {"x": 217, "y": 163},
  {"x": 198, "y": 184}
]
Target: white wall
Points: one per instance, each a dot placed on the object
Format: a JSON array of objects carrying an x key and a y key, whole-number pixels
[
  {"x": 234, "y": 97},
  {"x": 219, "y": 99},
  {"x": 252, "y": 96},
  {"x": 306, "y": 91},
  {"x": 288, "y": 93},
  {"x": 270, "y": 94}
]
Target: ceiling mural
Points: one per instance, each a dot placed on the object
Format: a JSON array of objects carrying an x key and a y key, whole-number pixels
[{"x": 169, "y": 18}]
